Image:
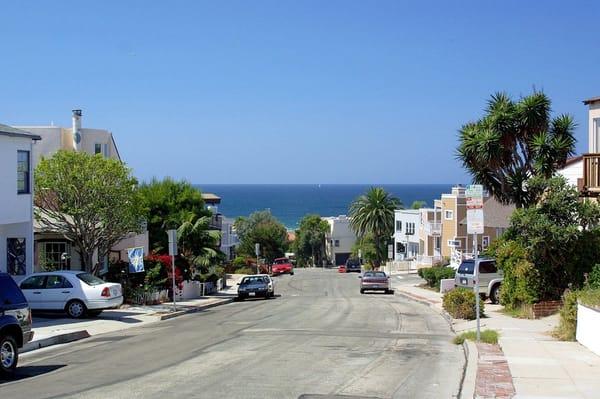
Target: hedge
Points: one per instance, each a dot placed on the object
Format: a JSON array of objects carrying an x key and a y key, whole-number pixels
[
  {"x": 460, "y": 304},
  {"x": 433, "y": 275}
]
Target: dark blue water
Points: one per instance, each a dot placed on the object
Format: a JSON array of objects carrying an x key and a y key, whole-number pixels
[{"x": 290, "y": 202}]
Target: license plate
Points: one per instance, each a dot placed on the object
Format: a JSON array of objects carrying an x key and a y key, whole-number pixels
[
  {"x": 252, "y": 293},
  {"x": 463, "y": 281}
]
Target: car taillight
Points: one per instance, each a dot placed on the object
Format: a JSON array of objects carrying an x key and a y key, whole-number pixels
[{"x": 105, "y": 292}]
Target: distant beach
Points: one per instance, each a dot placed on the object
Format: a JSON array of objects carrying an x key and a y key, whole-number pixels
[{"x": 290, "y": 202}]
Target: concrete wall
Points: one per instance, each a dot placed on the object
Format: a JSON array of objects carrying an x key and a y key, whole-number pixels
[{"x": 588, "y": 326}]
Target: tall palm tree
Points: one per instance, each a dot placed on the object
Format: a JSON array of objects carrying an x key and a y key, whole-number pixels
[
  {"x": 373, "y": 213},
  {"x": 197, "y": 243},
  {"x": 513, "y": 142}
]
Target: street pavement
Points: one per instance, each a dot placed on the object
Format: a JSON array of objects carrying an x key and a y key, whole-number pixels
[{"x": 319, "y": 338}]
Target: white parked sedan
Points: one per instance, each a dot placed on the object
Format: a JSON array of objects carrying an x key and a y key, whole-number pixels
[{"x": 77, "y": 293}]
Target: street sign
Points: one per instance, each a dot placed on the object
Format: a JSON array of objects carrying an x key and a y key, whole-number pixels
[
  {"x": 172, "y": 242},
  {"x": 257, "y": 249},
  {"x": 391, "y": 251},
  {"x": 475, "y": 223}
]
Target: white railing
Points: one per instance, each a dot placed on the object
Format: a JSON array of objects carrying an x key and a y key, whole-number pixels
[
  {"x": 396, "y": 266},
  {"x": 433, "y": 228},
  {"x": 428, "y": 260}
]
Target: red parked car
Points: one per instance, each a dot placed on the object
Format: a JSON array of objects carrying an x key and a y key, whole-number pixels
[
  {"x": 342, "y": 269},
  {"x": 281, "y": 266}
]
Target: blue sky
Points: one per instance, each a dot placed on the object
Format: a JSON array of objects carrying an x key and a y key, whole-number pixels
[{"x": 291, "y": 91}]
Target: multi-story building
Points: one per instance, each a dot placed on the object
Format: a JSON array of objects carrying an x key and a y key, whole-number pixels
[
  {"x": 430, "y": 236},
  {"x": 229, "y": 238},
  {"x": 16, "y": 197},
  {"x": 339, "y": 239},
  {"x": 455, "y": 242},
  {"x": 590, "y": 183},
  {"x": 406, "y": 233},
  {"x": 52, "y": 249}
]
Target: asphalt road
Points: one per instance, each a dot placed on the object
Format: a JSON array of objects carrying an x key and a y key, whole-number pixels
[{"x": 319, "y": 339}]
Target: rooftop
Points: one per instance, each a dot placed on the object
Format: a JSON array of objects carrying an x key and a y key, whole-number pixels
[
  {"x": 10, "y": 131},
  {"x": 591, "y": 100},
  {"x": 211, "y": 198}
]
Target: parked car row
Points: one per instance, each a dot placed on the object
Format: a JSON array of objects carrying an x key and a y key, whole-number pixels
[{"x": 75, "y": 292}]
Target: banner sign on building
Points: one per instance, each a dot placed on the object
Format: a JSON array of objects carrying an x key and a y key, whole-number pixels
[
  {"x": 474, "y": 194},
  {"x": 136, "y": 259}
]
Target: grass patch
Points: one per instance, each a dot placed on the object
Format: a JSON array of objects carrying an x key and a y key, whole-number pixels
[
  {"x": 522, "y": 312},
  {"x": 487, "y": 336}
]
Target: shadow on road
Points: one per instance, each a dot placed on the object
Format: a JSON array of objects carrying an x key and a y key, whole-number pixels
[{"x": 30, "y": 371}]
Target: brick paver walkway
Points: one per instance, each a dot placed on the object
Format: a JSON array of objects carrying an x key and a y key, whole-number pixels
[{"x": 493, "y": 375}]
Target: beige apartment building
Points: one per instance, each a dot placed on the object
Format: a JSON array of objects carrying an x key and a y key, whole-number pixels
[{"x": 455, "y": 243}]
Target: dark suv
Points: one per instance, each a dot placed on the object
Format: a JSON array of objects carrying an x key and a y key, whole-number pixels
[
  {"x": 353, "y": 265},
  {"x": 15, "y": 323}
]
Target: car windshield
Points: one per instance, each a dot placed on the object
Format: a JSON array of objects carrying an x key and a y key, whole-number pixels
[
  {"x": 352, "y": 262},
  {"x": 466, "y": 267},
  {"x": 254, "y": 280},
  {"x": 375, "y": 274},
  {"x": 281, "y": 261},
  {"x": 90, "y": 279}
]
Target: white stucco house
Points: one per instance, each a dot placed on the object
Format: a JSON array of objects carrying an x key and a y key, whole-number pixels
[
  {"x": 16, "y": 199},
  {"x": 339, "y": 239},
  {"x": 51, "y": 248},
  {"x": 406, "y": 233}
]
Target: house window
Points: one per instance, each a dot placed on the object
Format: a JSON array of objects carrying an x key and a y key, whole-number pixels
[
  {"x": 448, "y": 215},
  {"x": 15, "y": 256},
  {"x": 55, "y": 256},
  {"x": 97, "y": 148},
  {"x": 23, "y": 172},
  {"x": 399, "y": 247},
  {"x": 410, "y": 228},
  {"x": 485, "y": 242},
  {"x": 398, "y": 225},
  {"x": 337, "y": 243}
]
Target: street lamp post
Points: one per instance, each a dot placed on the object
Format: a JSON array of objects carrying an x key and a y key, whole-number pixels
[
  {"x": 257, "y": 252},
  {"x": 173, "y": 251}
]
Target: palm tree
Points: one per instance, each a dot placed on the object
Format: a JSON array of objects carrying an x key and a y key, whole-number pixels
[
  {"x": 198, "y": 244},
  {"x": 513, "y": 142},
  {"x": 373, "y": 213}
]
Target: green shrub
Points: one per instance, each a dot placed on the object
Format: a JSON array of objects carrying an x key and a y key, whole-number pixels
[
  {"x": 568, "y": 317},
  {"x": 590, "y": 297},
  {"x": 245, "y": 270},
  {"x": 239, "y": 261},
  {"x": 487, "y": 336},
  {"x": 460, "y": 304},
  {"x": 593, "y": 280},
  {"x": 521, "y": 279},
  {"x": 433, "y": 275}
]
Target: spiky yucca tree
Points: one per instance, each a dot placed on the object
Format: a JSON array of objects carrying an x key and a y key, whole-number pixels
[
  {"x": 373, "y": 213},
  {"x": 514, "y": 141}
]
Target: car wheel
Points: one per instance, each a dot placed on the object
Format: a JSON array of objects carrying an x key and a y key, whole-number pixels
[
  {"x": 9, "y": 354},
  {"x": 362, "y": 291},
  {"x": 291, "y": 273},
  {"x": 94, "y": 313},
  {"x": 75, "y": 309},
  {"x": 495, "y": 294}
]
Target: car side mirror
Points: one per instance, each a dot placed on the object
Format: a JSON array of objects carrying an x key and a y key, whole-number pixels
[
  {"x": 360, "y": 277},
  {"x": 238, "y": 283}
]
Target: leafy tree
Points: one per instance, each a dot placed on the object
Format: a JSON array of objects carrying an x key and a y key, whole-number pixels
[
  {"x": 263, "y": 228},
  {"x": 366, "y": 246},
  {"x": 550, "y": 245},
  {"x": 198, "y": 243},
  {"x": 309, "y": 245},
  {"x": 169, "y": 204},
  {"x": 91, "y": 200},
  {"x": 514, "y": 142},
  {"x": 373, "y": 213},
  {"x": 418, "y": 205}
]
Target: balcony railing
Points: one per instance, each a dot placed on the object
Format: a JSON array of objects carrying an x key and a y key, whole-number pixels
[
  {"x": 216, "y": 222},
  {"x": 433, "y": 228},
  {"x": 591, "y": 175}
]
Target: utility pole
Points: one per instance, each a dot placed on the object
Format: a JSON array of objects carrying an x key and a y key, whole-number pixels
[
  {"x": 173, "y": 251},
  {"x": 257, "y": 252}
]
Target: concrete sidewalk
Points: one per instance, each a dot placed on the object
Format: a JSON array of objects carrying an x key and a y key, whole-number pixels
[{"x": 540, "y": 366}]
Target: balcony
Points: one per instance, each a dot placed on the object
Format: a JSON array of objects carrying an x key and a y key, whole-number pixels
[
  {"x": 216, "y": 222},
  {"x": 591, "y": 175},
  {"x": 432, "y": 228}
]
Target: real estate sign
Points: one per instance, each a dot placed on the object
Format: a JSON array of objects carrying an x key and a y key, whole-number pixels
[{"x": 474, "y": 194}]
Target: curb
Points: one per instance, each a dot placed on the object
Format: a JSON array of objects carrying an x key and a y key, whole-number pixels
[
  {"x": 55, "y": 340},
  {"x": 195, "y": 309}
]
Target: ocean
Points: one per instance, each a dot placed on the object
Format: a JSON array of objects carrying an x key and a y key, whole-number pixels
[{"x": 290, "y": 202}]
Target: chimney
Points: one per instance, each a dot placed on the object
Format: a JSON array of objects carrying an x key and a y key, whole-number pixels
[{"x": 76, "y": 129}]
